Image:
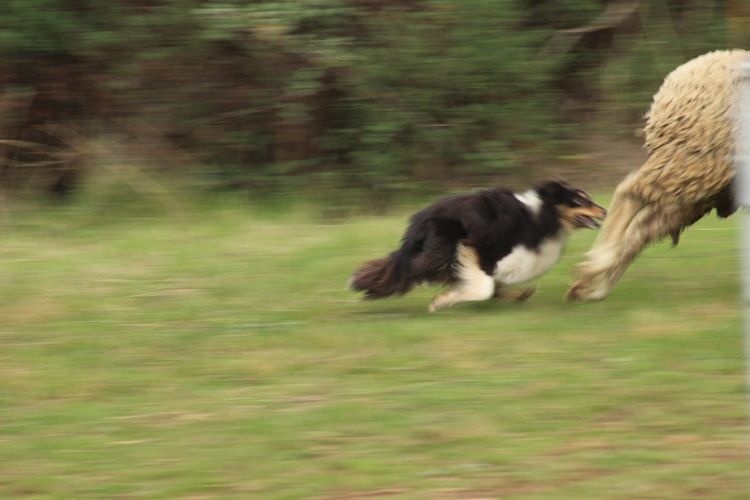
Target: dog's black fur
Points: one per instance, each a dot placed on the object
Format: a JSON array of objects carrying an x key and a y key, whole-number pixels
[{"x": 492, "y": 221}]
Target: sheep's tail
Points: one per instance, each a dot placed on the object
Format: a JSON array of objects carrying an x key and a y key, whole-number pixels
[
  {"x": 631, "y": 224},
  {"x": 381, "y": 278}
]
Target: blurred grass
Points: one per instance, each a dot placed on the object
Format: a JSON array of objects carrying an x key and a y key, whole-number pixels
[{"x": 217, "y": 354}]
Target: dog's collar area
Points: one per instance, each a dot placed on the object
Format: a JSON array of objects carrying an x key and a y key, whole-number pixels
[{"x": 531, "y": 199}]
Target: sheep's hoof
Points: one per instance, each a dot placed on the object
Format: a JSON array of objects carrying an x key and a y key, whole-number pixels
[
  {"x": 581, "y": 291},
  {"x": 574, "y": 292}
]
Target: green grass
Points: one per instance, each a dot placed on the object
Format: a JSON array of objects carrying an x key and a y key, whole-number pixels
[{"x": 219, "y": 355}]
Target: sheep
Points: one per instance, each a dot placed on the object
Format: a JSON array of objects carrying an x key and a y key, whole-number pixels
[{"x": 689, "y": 137}]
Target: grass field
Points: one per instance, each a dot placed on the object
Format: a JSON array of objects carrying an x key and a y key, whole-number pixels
[{"x": 217, "y": 354}]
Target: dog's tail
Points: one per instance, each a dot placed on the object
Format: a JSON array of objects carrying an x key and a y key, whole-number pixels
[
  {"x": 424, "y": 255},
  {"x": 384, "y": 277},
  {"x": 427, "y": 254}
]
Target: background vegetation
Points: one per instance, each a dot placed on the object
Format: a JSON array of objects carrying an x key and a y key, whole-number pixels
[{"x": 386, "y": 95}]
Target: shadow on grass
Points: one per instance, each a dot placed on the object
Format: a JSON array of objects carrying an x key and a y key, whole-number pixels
[{"x": 412, "y": 309}]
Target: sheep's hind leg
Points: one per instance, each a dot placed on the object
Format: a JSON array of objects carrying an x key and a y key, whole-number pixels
[{"x": 607, "y": 262}]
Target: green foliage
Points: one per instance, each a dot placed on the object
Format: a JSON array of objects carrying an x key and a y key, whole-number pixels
[
  {"x": 451, "y": 87},
  {"x": 668, "y": 38},
  {"x": 276, "y": 93},
  {"x": 58, "y": 27}
]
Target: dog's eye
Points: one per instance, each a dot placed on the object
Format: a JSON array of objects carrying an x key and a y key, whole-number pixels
[{"x": 579, "y": 202}]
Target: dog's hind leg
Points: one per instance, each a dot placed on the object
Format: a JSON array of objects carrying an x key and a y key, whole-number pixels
[
  {"x": 515, "y": 295},
  {"x": 472, "y": 283}
]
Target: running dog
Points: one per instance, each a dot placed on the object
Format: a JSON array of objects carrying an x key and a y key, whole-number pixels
[{"x": 481, "y": 242}]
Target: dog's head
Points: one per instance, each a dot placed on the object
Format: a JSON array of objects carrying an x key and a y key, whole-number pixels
[{"x": 576, "y": 207}]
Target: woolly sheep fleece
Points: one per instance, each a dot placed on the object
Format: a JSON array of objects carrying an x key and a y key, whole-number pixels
[{"x": 689, "y": 138}]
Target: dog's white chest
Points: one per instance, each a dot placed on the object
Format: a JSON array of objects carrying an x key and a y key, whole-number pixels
[{"x": 525, "y": 264}]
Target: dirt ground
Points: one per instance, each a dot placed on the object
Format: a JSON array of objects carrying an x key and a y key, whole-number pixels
[{"x": 601, "y": 163}]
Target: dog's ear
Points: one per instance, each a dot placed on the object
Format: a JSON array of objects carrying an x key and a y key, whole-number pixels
[{"x": 552, "y": 190}]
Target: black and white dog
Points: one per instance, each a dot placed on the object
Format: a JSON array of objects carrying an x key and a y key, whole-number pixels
[{"x": 480, "y": 242}]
